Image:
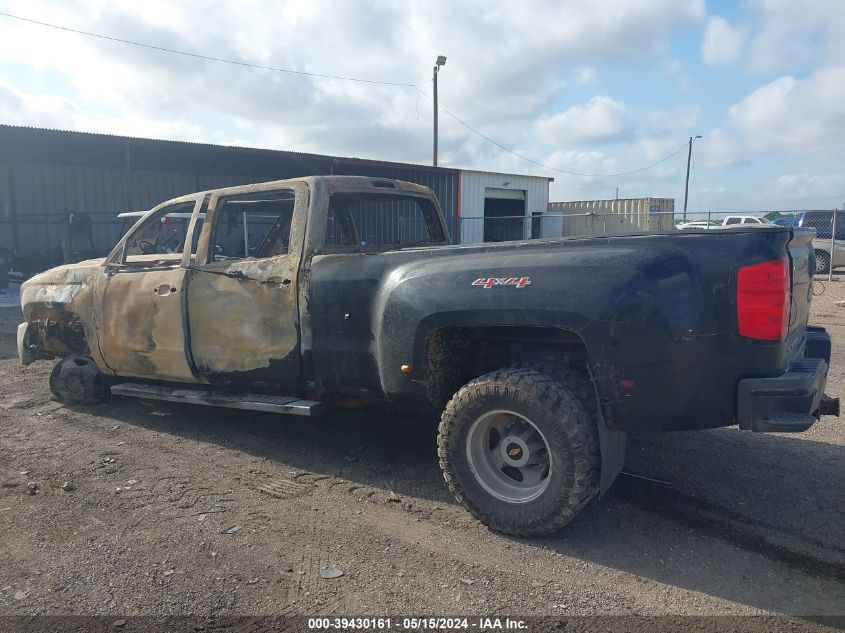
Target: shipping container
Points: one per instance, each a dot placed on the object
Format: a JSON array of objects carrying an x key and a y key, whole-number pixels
[{"x": 614, "y": 217}]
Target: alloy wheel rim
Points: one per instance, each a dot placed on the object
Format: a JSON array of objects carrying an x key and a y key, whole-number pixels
[{"x": 509, "y": 456}]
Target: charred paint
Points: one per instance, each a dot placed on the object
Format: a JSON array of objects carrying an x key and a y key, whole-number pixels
[
  {"x": 142, "y": 333},
  {"x": 260, "y": 317},
  {"x": 58, "y": 305},
  {"x": 259, "y": 337}
]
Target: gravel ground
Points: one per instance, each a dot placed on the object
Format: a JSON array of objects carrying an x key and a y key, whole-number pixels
[{"x": 173, "y": 509}]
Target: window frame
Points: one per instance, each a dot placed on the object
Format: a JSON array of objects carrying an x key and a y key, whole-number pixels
[
  {"x": 204, "y": 255},
  {"x": 218, "y": 216},
  {"x": 419, "y": 198},
  {"x": 118, "y": 256}
]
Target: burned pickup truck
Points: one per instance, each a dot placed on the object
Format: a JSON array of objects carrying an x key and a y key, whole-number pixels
[{"x": 538, "y": 357}]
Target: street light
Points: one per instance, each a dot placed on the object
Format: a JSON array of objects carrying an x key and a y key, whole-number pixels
[
  {"x": 441, "y": 61},
  {"x": 686, "y": 188}
]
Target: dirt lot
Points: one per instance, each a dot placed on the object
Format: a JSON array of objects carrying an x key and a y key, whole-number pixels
[{"x": 189, "y": 510}]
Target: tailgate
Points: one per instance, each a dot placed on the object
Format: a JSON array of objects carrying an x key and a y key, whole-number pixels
[{"x": 802, "y": 262}]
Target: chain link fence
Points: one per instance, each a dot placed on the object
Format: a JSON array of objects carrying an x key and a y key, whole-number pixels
[{"x": 829, "y": 243}]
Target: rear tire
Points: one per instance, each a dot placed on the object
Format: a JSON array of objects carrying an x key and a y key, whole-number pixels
[
  {"x": 494, "y": 436},
  {"x": 78, "y": 380},
  {"x": 822, "y": 262},
  {"x": 574, "y": 378}
]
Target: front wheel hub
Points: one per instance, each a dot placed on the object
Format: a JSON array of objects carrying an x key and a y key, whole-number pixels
[{"x": 515, "y": 451}]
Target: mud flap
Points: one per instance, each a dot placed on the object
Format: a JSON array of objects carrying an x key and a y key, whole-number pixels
[{"x": 612, "y": 444}]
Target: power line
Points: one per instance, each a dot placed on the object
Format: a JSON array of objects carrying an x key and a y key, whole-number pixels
[
  {"x": 207, "y": 57},
  {"x": 549, "y": 167},
  {"x": 339, "y": 78}
]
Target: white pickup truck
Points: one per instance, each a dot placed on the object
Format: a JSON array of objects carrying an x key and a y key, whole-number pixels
[{"x": 730, "y": 220}]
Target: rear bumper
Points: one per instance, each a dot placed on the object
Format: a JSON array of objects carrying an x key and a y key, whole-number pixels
[{"x": 791, "y": 401}]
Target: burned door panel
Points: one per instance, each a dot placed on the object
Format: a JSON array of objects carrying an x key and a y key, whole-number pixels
[
  {"x": 141, "y": 332},
  {"x": 241, "y": 325},
  {"x": 242, "y": 301},
  {"x": 140, "y": 297}
]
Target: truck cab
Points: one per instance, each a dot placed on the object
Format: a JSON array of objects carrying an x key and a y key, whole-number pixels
[{"x": 148, "y": 309}]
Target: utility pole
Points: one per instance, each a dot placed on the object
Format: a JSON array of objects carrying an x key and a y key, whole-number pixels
[
  {"x": 686, "y": 188},
  {"x": 441, "y": 61},
  {"x": 832, "y": 246}
]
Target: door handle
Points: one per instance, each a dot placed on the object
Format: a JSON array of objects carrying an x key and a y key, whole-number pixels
[{"x": 164, "y": 289}]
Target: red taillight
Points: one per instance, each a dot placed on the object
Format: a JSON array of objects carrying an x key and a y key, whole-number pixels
[{"x": 762, "y": 300}]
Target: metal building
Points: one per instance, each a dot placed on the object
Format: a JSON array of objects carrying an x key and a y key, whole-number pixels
[
  {"x": 61, "y": 191},
  {"x": 51, "y": 178},
  {"x": 496, "y": 207}
]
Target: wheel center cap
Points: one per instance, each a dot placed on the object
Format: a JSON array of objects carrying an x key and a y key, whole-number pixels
[{"x": 514, "y": 451}]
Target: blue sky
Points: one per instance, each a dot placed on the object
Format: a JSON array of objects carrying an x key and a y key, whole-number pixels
[{"x": 596, "y": 88}]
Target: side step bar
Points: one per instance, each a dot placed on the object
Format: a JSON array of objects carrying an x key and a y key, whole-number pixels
[{"x": 251, "y": 401}]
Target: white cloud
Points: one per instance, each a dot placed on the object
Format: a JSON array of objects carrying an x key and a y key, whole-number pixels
[
  {"x": 786, "y": 38},
  {"x": 802, "y": 186},
  {"x": 718, "y": 148},
  {"x": 675, "y": 122},
  {"x": 600, "y": 120},
  {"x": 653, "y": 148},
  {"x": 805, "y": 117},
  {"x": 586, "y": 75},
  {"x": 567, "y": 187},
  {"x": 722, "y": 43},
  {"x": 674, "y": 69},
  {"x": 40, "y": 110},
  {"x": 778, "y": 35},
  {"x": 501, "y": 87},
  {"x": 662, "y": 181}
]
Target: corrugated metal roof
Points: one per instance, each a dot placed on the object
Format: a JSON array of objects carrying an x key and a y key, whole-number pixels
[
  {"x": 218, "y": 147},
  {"x": 504, "y": 173}
]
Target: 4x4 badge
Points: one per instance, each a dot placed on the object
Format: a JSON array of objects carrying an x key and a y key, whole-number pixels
[{"x": 489, "y": 282}]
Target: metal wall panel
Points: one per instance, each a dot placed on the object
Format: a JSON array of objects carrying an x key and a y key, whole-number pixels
[
  {"x": 473, "y": 187},
  {"x": 45, "y": 175},
  {"x": 219, "y": 181},
  {"x": 6, "y": 209},
  {"x": 148, "y": 188},
  {"x": 45, "y": 195}
]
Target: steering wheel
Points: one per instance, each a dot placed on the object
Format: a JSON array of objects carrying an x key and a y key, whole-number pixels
[{"x": 147, "y": 246}]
